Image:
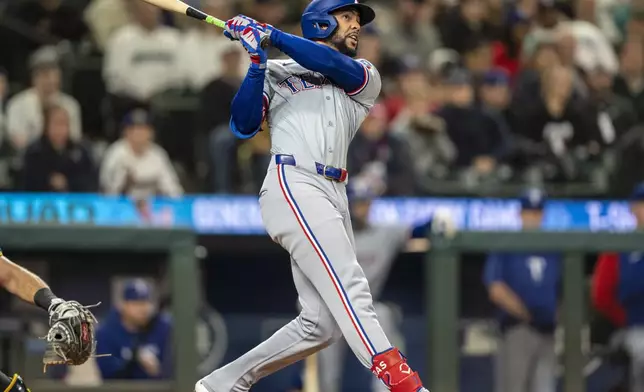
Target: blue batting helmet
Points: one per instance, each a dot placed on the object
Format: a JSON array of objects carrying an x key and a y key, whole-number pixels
[{"x": 318, "y": 23}]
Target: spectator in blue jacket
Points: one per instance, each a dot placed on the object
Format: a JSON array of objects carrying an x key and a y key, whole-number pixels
[
  {"x": 630, "y": 291},
  {"x": 525, "y": 289},
  {"x": 136, "y": 336}
]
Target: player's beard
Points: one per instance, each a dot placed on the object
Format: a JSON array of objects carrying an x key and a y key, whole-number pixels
[{"x": 340, "y": 43}]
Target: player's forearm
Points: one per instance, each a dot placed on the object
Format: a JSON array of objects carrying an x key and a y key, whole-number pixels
[
  {"x": 25, "y": 284},
  {"x": 503, "y": 296},
  {"x": 247, "y": 109},
  {"x": 341, "y": 69}
]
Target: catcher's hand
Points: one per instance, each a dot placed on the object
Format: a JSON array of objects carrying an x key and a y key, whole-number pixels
[{"x": 70, "y": 340}]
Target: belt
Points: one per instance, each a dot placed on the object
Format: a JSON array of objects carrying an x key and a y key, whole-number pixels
[{"x": 329, "y": 172}]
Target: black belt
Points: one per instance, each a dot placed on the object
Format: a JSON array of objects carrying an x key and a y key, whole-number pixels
[{"x": 326, "y": 171}]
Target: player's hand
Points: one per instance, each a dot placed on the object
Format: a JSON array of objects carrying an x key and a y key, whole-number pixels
[
  {"x": 235, "y": 26},
  {"x": 251, "y": 38}
]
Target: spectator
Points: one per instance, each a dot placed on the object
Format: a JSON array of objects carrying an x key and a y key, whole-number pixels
[
  {"x": 56, "y": 18},
  {"x": 466, "y": 23},
  {"x": 203, "y": 49},
  {"x": 528, "y": 84},
  {"x": 616, "y": 115},
  {"x": 557, "y": 117},
  {"x": 135, "y": 165},
  {"x": 104, "y": 17},
  {"x": 214, "y": 116},
  {"x": 506, "y": 51},
  {"x": 631, "y": 297},
  {"x": 630, "y": 82},
  {"x": 55, "y": 163},
  {"x": 216, "y": 96},
  {"x": 478, "y": 57},
  {"x": 478, "y": 137},
  {"x": 141, "y": 59},
  {"x": 431, "y": 150},
  {"x": 495, "y": 94},
  {"x": 592, "y": 46},
  {"x": 135, "y": 336},
  {"x": 413, "y": 32},
  {"x": 525, "y": 289},
  {"x": 25, "y": 121},
  {"x": 376, "y": 152}
]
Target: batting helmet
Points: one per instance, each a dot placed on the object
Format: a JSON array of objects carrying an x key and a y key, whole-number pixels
[{"x": 318, "y": 23}]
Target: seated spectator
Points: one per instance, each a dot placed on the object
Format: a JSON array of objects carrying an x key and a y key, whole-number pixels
[
  {"x": 55, "y": 163},
  {"x": 479, "y": 139},
  {"x": 507, "y": 51},
  {"x": 465, "y": 23},
  {"x": 477, "y": 58},
  {"x": 431, "y": 150},
  {"x": 56, "y": 18},
  {"x": 592, "y": 46},
  {"x": 562, "y": 120},
  {"x": 141, "y": 59},
  {"x": 136, "y": 337},
  {"x": 135, "y": 165},
  {"x": 616, "y": 115},
  {"x": 25, "y": 121},
  {"x": 630, "y": 81},
  {"x": 494, "y": 92},
  {"x": 527, "y": 87},
  {"x": 104, "y": 17},
  {"x": 413, "y": 32},
  {"x": 203, "y": 49},
  {"x": 376, "y": 152},
  {"x": 412, "y": 87}
]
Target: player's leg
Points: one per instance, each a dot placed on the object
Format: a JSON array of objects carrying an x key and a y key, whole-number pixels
[
  {"x": 544, "y": 377},
  {"x": 311, "y": 331},
  {"x": 12, "y": 384},
  {"x": 331, "y": 366},
  {"x": 316, "y": 236},
  {"x": 514, "y": 361},
  {"x": 389, "y": 318}
]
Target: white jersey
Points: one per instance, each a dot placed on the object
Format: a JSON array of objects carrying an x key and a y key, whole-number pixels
[{"x": 310, "y": 117}]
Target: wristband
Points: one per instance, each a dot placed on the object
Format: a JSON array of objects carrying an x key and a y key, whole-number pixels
[{"x": 44, "y": 298}]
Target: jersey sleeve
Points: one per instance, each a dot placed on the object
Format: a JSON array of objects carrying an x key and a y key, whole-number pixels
[
  {"x": 367, "y": 93},
  {"x": 269, "y": 92},
  {"x": 493, "y": 270}
]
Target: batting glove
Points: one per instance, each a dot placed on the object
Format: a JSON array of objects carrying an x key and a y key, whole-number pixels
[
  {"x": 251, "y": 38},
  {"x": 235, "y": 26}
]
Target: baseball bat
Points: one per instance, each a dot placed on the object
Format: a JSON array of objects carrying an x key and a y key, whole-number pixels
[
  {"x": 182, "y": 8},
  {"x": 311, "y": 378}
]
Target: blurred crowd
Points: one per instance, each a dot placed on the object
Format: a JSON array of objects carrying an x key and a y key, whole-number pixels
[{"x": 479, "y": 97}]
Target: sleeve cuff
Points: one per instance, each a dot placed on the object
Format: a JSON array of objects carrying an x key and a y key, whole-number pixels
[{"x": 241, "y": 135}]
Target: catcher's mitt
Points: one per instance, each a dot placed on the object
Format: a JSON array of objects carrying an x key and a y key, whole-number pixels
[{"x": 70, "y": 340}]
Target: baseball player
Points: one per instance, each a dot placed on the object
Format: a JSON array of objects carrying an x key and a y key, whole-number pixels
[
  {"x": 314, "y": 103},
  {"x": 525, "y": 289},
  {"x": 29, "y": 287}
]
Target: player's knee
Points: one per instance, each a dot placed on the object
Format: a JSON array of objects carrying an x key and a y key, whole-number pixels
[{"x": 322, "y": 328}]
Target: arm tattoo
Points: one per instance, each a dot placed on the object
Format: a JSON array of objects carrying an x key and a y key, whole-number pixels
[{"x": 19, "y": 281}]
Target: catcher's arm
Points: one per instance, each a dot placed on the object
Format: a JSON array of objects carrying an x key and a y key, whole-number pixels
[{"x": 25, "y": 284}]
